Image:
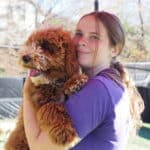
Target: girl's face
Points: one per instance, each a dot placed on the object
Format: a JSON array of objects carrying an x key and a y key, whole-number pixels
[{"x": 93, "y": 47}]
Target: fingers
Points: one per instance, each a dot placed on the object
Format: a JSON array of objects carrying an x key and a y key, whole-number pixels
[
  {"x": 32, "y": 129},
  {"x": 27, "y": 83},
  {"x": 28, "y": 88}
]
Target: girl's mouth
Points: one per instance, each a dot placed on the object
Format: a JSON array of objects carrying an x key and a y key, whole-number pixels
[{"x": 83, "y": 52}]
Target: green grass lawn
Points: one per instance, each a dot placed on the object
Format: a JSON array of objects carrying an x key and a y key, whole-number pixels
[
  {"x": 142, "y": 140},
  {"x": 139, "y": 142}
]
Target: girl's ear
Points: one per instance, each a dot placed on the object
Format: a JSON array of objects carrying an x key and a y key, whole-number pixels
[{"x": 115, "y": 51}]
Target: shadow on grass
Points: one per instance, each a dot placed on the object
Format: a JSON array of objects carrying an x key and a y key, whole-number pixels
[{"x": 144, "y": 132}]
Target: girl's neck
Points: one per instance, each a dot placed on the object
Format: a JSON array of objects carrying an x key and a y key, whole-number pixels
[{"x": 93, "y": 71}]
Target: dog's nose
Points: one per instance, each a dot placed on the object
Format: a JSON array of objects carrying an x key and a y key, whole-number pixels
[{"x": 26, "y": 58}]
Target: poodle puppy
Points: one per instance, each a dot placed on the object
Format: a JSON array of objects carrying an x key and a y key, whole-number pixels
[{"x": 54, "y": 74}]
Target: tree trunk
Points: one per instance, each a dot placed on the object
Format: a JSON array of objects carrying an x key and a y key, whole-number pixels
[{"x": 141, "y": 40}]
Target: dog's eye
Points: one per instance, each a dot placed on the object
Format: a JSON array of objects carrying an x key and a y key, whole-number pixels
[{"x": 50, "y": 47}]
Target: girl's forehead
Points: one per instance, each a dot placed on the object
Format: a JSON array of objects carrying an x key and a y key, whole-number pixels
[
  {"x": 87, "y": 21},
  {"x": 91, "y": 24}
]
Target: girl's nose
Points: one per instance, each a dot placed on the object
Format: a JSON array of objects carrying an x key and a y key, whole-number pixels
[{"x": 82, "y": 42}]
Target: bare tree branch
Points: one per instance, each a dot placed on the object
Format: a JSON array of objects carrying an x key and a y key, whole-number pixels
[
  {"x": 140, "y": 41},
  {"x": 35, "y": 5},
  {"x": 141, "y": 18}
]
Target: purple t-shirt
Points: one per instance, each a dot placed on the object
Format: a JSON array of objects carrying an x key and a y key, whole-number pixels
[{"x": 100, "y": 113}]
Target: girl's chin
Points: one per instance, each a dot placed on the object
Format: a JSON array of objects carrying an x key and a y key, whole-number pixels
[{"x": 85, "y": 64}]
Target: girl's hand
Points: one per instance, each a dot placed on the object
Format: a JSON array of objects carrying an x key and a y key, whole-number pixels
[{"x": 36, "y": 138}]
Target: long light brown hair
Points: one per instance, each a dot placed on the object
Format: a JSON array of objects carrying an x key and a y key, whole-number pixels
[{"x": 117, "y": 39}]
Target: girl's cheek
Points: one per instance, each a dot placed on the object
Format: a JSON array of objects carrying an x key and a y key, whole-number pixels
[
  {"x": 94, "y": 44},
  {"x": 75, "y": 40}
]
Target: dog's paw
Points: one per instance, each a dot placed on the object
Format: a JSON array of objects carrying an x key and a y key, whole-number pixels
[{"x": 75, "y": 83}]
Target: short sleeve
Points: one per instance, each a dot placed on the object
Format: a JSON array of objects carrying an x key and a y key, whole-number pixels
[{"x": 89, "y": 107}]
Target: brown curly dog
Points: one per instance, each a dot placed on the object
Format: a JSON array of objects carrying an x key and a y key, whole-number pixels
[{"x": 54, "y": 73}]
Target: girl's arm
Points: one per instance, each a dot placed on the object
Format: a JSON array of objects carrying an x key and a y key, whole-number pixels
[{"x": 36, "y": 138}]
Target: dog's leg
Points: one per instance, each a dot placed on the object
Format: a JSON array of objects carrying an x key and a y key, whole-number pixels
[
  {"x": 75, "y": 83},
  {"x": 54, "y": 119},
  {"x": 17, "y": 139}
]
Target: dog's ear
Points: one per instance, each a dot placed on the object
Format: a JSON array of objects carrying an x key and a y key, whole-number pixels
[{"x": 71, "y": 62}]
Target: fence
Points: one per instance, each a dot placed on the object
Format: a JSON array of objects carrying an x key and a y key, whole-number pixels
[{"x": 10, "y": 90}]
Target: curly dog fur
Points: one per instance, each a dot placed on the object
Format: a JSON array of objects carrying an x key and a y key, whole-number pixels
[{"x": 54, "y": 73}]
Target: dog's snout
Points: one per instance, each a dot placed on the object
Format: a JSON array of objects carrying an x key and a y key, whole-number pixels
[{"x": 26, "y": 58}]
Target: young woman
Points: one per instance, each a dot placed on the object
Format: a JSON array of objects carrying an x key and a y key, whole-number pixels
[{"x": 104, "y": 110}]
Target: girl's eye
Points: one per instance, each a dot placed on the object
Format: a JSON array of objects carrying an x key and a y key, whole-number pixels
[
  {"x": 94, "y": 37},
  {"x": 78, "y": 34}
]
